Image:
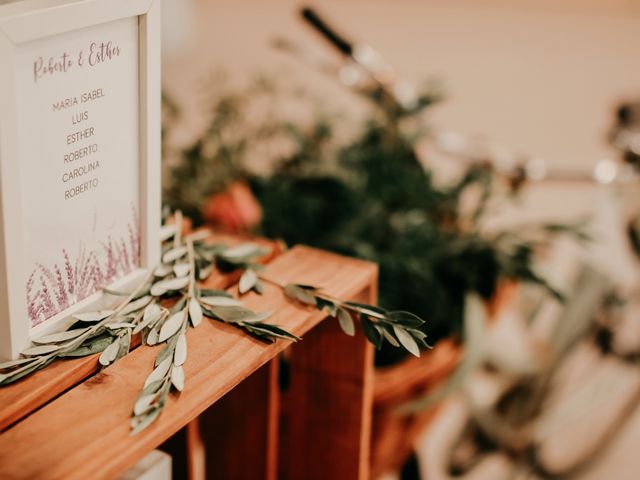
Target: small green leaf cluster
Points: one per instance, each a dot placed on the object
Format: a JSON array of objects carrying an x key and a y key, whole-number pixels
[
  {"x": 184, "y": 263},
  {"x": 398, "y": 329}
]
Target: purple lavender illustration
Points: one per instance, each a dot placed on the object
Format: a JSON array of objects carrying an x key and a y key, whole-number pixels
[{"x": 50, "y": 290}]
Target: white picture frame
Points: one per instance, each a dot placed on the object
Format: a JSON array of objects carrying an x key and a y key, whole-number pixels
[{"x": 33, "y": 20}]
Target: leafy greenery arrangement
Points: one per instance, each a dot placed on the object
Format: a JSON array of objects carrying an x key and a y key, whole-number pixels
[
  {"x": 186, "y": 260},
  {"x": 371, "y": 197}
]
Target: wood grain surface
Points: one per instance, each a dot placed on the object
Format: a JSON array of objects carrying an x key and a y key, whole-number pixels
[{"x": 84, "y": 433}]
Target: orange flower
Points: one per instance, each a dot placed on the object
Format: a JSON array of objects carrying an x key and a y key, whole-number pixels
[{"x": 235, "y": 210}]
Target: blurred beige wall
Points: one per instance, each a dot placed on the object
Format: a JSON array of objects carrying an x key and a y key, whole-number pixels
[{"x": 537, "y": 77}]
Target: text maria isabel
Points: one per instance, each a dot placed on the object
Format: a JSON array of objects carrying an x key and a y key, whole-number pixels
[{"x": 74, "y": 101}]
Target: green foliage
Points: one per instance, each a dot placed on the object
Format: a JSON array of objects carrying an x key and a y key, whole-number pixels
[
  {"x": 371, "y": 197},
  {"x": 382, "y": 205}
]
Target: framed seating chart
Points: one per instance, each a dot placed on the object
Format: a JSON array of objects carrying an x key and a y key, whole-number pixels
[{"x": 79, "y": 157}]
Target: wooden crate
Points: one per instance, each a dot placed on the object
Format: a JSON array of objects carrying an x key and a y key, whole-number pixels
[{"x": 70, "y": 421}]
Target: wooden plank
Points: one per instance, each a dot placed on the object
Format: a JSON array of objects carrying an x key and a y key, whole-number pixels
[
  {"x": 240, "y": 432},
  {"x": 22, "y": 398},
  {"x": 329, "y": 404},
  {"x": 85, "y": 432},
  {"x": 195, "y": 452}
]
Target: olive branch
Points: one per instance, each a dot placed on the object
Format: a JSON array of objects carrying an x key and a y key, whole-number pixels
[
  {"x": 92, "y": 332},
  {"x": 186, "y": 261},
  {"x": 398, "y": 328}
]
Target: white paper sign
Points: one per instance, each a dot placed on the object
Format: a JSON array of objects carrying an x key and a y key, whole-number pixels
[
  {"x": 77, "y": 99},
  {"x": 79, "y": 159}
]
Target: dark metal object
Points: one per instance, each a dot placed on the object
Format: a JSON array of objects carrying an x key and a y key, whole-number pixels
[{"x": 337, "y": 40}]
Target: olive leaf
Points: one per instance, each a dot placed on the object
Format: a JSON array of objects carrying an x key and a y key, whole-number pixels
[
  {"x": 397, "y": 328},
  {"x": 406, "y": 340},
  {"x": 174, "y": 254},
  {"x": 220, "y": 301},
  {"x": 136, "y": 305},
  {"x": 383, "y": 329},
  {"x": 125, "y": 344},
  {"x": 199, "y": 236},
  {"x": 110, "y": 353},
  {"x": 195, "y": 312},
  {"x": 40, "y": 350},
  {"x": 180, "y": 354},
  {"x": 248, "y": 281},
  {"x": 229, "y": 314},
  {"x": 90, "y": 346},
  {"x": 205, "y": 272},
  {"x": 152, "y": 336},
  {"x": 244, "y": 251},
  {"x": 143, "y": 404},
  {"x": 171, "y": 326},
  {"x": 119, "y": 326},
  {"x": 267, "y": 332},
  {"x": 177, "y": 378},
  {"x": 23, "y": 371},
  {"x": 162, "y": 270},
  {"x": 139, "y": 423},
  {"x": 152, "y": 313},
  {"x": 371, "y": 332},
  {"x": 159, "y": 372},
  {"x": 14, "y": 363},
  {"x": 346, "y": 322},
  {"x": 297, "y": 292},
  {"x": 93, "y": 316},
  {"x": 330, "y": 307},
  {"x": 257, "y": 317},
  {"x": 207, "y": 292},
  {"x": 406, "y": 319},
  {"x": 181, "y": 269},
  {"x": 369, "y": 310},
  {"x": 163, "y": 286},
  {"x": 78, "y": 340},
  {"x": 167, "y": 231},
  {"x": 59, "y": 337}
]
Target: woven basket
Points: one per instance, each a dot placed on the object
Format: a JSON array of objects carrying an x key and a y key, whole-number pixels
[{"x": 394, "y": 435}]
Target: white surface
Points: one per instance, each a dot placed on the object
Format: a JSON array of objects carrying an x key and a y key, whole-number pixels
[
  {"x": 538, "y": 81},
  {"x": 177, "y": 18},
  {"x": 156, "y": 465},
  {"x": 74, "y": 204},
  {"x": 541, "y": 78}
]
